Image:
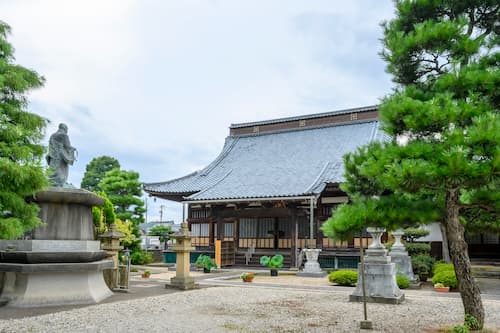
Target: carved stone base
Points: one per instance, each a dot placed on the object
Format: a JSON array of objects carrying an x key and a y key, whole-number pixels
[
  {"x": 380, "y": 284},
  {"x": 403, "y": 264},
  {"x": 183, "y": 283},
  {"x": 36, "y": 285}
]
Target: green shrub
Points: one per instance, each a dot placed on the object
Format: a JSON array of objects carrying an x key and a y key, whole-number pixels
[
  {"x": 275, "y": 262},
  {"x": 422, "y": 263},
  {"x": 403, "y": 281},
  {"x": 446, "y": 277},
  {"x": 417, "y": 248},
  {"x": 460, "y": 329},
  {"x": 343, "y": 277},
  {"x": 442, "y": 267},
  {"x": 204, "y": 261},
  {"x": 471, "y": 322},
  {"x": 141, "y": 258}
]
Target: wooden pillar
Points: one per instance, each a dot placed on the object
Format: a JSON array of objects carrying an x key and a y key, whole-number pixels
[
  {"x": 220, "y": 228},
  {"x": 294, "y": 234},
  {"x": 212, "y": 220},
  {"x": 319, "y": 233}
]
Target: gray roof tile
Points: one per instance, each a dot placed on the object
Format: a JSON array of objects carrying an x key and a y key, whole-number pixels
[{"x": 291, "y": 163}]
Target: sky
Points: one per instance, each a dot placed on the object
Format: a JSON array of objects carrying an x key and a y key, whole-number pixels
[{"x": 156, "y": 84}]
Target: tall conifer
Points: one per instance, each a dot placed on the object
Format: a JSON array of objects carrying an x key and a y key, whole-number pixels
[{"x": 21, "y": 173}]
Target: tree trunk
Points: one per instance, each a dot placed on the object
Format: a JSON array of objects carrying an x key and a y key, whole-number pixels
[
  {"x": 469, "y": 291},
  {"x": 445, "y": 247}
]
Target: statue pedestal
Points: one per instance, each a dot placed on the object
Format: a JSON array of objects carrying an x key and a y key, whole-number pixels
[
  {"x": 380, "y": 275},
  {"x": 62, "y": 264},
  {"x": 400, "y": 257},
  {"x": 311, "y": 267}
]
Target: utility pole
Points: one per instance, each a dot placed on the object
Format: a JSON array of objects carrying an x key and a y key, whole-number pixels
[{"x": 161, "y": 212}]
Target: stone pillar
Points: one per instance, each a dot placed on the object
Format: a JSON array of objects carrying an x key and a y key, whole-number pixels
[
  {"x": 400, "y": 257},
  {"x": 182, "y": 248},
  {"x": 110, "y": 242},
  {"x": 380, "y": 274}
]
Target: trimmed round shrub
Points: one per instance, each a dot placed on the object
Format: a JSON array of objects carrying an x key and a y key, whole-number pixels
[
  {"x": 446, "y": 277},
  {"x": 403, "y": 281},
  {"x": 437, "y": 268},
  {"x": 417, "y": 248},
  {"x": 422, "y": 263},
  {"x": 343, "y": 277}
]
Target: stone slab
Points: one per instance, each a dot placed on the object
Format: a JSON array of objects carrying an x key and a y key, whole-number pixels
[
  {"x": 376, "y": 299},
  {"x": 57, "y": 267},
  {"x": 50, "y": 245},
  {"x": 68, "y": 196},
  {"x": 32, "y": 257},
  {"x": 312, "y": 274}
]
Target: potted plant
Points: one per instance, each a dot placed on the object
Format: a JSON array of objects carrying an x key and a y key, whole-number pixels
[
  {"x": 205, "y": 262},
  {"x": 440, "y": 288},
  {"x": 199, "y": 262},
  {"x": 146, "y": 274},
  {"x": 423, "y": 276},
  {"x": 273, "y": 263},
  {"x": 247, "y": 277}
]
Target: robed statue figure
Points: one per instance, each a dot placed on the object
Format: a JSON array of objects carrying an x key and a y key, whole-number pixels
[{"x": 61, "y": 155}]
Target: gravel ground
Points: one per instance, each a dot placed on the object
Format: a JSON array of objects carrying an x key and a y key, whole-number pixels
[{"x": 253, "y": 309}]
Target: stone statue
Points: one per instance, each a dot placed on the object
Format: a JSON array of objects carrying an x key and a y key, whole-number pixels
[{"x": 61, "y": 155}]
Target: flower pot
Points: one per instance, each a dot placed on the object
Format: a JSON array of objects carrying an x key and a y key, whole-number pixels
[
  {"x": 145, "y": 276},
  {"x": 206, "y": 270},
  {"x": 274, "y": 272},
  {"x": 247, "y": 280},
  {"x": 442, "y": 289}
]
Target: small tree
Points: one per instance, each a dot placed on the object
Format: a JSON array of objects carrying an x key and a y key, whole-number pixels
[
  {"x": 21, "y": 172},
  {"x": 124, "y": 190},
  {"x": 161, "y": 230},
  {"x": 103, "y": 216}
]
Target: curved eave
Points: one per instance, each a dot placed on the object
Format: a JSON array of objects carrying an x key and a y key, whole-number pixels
[
  {"x": 178, "y": 197},
  {"x": 254, "y": 199}
]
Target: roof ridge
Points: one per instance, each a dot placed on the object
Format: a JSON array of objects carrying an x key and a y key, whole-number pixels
[
  {"x": 296, "y": 129},
  {"x": 304, "y": 117}
]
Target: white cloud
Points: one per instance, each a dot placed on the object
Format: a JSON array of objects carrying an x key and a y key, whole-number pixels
[{"x": 157, "y": 83}]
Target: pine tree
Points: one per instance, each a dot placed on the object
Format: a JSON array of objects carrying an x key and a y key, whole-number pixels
[
  {"x": 95, "y": 171},
  {"x": 444, "y": 120},
  {"x": 124, "y": 190},
  {"x": 21, "y": 173}
]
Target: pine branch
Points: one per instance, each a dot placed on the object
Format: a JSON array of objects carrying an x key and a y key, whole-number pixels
[{"x": 482, "y": 206}]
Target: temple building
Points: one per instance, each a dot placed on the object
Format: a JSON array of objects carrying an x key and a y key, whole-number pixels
[{"x": 273, "y": 185}]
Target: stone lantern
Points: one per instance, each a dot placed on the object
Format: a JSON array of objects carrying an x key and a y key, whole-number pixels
[
  {"x": 110, "y": 242},
  {"x": 182, "y": 249}
]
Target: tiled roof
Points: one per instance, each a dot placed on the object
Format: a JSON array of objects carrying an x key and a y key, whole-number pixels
[{"x": 283, "y": 164}]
